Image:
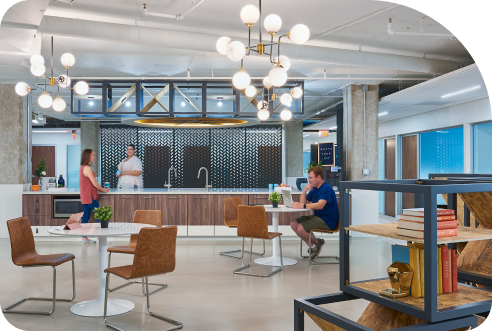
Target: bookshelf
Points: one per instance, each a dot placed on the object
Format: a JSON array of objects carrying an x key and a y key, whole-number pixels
[{"x": 442, "y": 312}]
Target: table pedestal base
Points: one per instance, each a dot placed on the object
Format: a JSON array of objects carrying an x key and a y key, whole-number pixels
[
  {"x": 274, "y": 261},
  {"x": 95, "y": 308}
]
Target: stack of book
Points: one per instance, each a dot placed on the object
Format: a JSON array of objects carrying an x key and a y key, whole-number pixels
[
  {"x": 447, "y": 264},
  {"x": 411, "y": 223}
]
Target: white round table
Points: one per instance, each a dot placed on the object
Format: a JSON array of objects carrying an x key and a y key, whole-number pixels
[
  {"x": 274, "y": 260},
  {"x": 95, "y": 307}
]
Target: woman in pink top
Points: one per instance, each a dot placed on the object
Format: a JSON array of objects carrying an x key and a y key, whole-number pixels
[{"x": 88, "y": 186}]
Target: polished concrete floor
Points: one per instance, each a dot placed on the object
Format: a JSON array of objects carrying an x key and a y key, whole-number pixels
[{"x": 203, "y": 292}]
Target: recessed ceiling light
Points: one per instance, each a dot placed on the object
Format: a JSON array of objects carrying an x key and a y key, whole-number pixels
[
  {"x": 220, "y": 104},
  {"x": 459, "y": 92},
  {"x": 306, "y": 135},
  {"x": 381, "y": 114},
  {"x": 128, "y": 103}
]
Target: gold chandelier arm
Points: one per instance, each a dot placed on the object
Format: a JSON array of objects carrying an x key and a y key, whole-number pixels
[
  {"x": 184, "y": 96},
  {"x": 127, "y": 95}
]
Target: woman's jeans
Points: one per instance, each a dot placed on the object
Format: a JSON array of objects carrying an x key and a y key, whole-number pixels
[{"x": 87, "y": 211}]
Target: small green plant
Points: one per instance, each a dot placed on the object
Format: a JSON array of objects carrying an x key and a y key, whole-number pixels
[
  {"x": 275, "y": 197},
  {"x": 103, "y": 213},
  {"x": 40, "y": 169},
  {"x": 313, "y": 164}
]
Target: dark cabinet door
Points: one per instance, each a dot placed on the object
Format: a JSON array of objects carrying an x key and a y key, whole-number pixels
[
  {"x": 36, "y": 204},
  {"x": 174, "y": 209},
  {"x": 39, "y": 220},
  {"x": 200, "y": 209},
  {"x": 218, "y": 205},
  {"x": 124, "y": 208},
  {"x": 105, "y": 199},
  {"x": 149, "y": 202}
]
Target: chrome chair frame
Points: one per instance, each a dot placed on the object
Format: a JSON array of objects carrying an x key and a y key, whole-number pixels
[
  {"x": 242, "y": 251},
  {"x": 54, "y": 299},
  {"x": 179, "y": 325},
  {"x": 250, "y": 261},
  {"x": 161, "y": 286},
  {"x": 312, "y": 261}
]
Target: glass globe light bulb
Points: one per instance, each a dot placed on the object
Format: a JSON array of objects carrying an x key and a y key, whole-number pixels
[
  {"x": 222, "y": 44},
  {"x": 277, "y": 76},
  {"x": 263, "y": 114},
  {"x": 22, "y": 89},
  {"x": 299, "y": 34},
  {"x": 285, "y": 114},
  {"x": 236, "y": 51},
  {"x": 37, "y": 59},
  {"x": 284, "y": 62},
  {"x": 59, "y": 104},
  {"x": 262, "y": 105},
  {"x": 38, "y": 69},
  {"x": 266, "y": 82},
  {"x": 250, "y": 91},
  {"x": 286, "y": 99},
  {"x": 64, "y": 81},
  {"x": 241, "y": 79},
  {"x": 250, "y": 14},
  {"x": 273, "y": 23},
  {"x": 296, "y": 92},
  {"x": 81, "y": 88},
  {"x": 68, "y": 60},
  {"x": 45, "y": 100}
]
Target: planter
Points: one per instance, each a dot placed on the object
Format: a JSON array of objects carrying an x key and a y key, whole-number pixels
[
  {"x": 275, "y": 204},
  {"x": 104, "y": 224}
]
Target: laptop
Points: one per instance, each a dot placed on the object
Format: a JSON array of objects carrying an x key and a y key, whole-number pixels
[{"x": 286, "y": 195}]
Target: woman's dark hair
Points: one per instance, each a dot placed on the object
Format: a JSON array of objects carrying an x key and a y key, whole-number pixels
[
  {"x": 132, "y": 146},
  {"x": 85, "y": 159}
]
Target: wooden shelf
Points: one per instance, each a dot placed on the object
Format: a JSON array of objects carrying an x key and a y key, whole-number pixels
[
  {"x": 465, "y": 295},
  {"x": 388, "y": 230}
]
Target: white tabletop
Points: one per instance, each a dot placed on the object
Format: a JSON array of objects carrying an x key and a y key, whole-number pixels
[
  {"x": 94, "y": 229},
  {"x": 283, "y": 209}
]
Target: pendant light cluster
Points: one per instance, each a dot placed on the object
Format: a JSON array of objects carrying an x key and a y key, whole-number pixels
[
  {"x": 38, "y": 69},
  {"x": 236, "y": 51}
]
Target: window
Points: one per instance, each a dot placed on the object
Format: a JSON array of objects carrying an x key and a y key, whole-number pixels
[
  {"x": 73, "y": 166},
  {"x": 482, "y": 147}
]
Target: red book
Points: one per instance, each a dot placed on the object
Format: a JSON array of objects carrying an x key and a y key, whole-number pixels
[
  {"x": 420, "y": 212},
  {"x": 420, "y": 233},
  {"x": 421, "y": 218},
  {"x": 446, "y": 268},
  {"x": 454, "y": 268},
  {"x": 450, "y": 258},
  {"x": 412, "y": 225}
]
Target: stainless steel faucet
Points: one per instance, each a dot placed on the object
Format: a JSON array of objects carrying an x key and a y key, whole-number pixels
[
  {"x": 206, "y": 177},
  {"x": 169, "y": 177}
]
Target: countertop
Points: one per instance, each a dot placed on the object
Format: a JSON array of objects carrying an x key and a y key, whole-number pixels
[{"x": 73, "y": 191}]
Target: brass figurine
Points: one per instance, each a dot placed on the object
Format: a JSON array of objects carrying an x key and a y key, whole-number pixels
[{"x": 400, "y": 275}]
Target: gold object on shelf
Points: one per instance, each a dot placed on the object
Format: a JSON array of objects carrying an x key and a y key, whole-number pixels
[
  {"x": 260, "y": 48},
  {"x": 400, "y": 275}
]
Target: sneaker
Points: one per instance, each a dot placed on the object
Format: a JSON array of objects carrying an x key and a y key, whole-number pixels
[
  {"x": 315, "y": 251},
  {"x": 86, "y": 240}
]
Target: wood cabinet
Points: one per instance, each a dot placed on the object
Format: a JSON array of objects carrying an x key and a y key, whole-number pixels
[
  {"x": 200, "y": 211},
  {"x": 149, "y": 202},
  {"x": 174, "y": 209},
  {"x": 218, "y": 205},
  {"x": 124, "y": 207},
  {"x": 39, "y": 220},
  {"x": 36, "y": 204}
]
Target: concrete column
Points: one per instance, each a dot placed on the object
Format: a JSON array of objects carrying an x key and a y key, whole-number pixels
[
  {"x": 361, "y": 151},
  {"x": 293, "y": 151},
  {"x": 14, "y": 150},
  {"x": 89, "y": 138}
]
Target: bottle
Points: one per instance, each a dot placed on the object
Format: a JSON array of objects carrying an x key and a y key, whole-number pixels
[{"x": 61, "y": 181}]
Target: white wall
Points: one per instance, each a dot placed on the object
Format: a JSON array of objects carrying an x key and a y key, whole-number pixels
[{"x": 60, "y": 141}]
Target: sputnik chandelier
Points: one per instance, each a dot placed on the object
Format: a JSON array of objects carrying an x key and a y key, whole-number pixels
[
  {"x": 236, "y": 51},
  {"x": 38, "y": 69}
]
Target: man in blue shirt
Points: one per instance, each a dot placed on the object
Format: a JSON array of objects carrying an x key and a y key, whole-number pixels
[{"x": 319, "y": 196}]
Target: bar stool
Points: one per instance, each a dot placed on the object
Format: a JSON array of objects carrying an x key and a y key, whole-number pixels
[
  {"x": 24, "y": 255},
  {"x": 230, "y": 220},
  {"x": 155, "y": 254},
  {"x": 153, "y": 217}
]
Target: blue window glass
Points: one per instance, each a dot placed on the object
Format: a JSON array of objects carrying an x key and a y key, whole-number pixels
[
  {"x": 73, "y": 165},
  {"x": 482, "y": 148}
]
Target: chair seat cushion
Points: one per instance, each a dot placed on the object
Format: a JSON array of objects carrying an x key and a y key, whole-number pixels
[
  {"x": 272, "y": 235},
  {"x": 128, "y": 249},
  {"x": 232, "y": 224},
  {"x": 51, "y": 259},
  {"x": 124, "y": 271},
  {"x": 323, "y": 231}
]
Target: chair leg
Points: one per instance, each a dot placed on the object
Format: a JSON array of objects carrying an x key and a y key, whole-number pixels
[
  {"x": 179, "y": 325},
  {"x": 322, "y": 257},
  {"x": 237, "y": 271},
  {"x": 227, "y": 253},
  {"x": 54, "y": 299}
]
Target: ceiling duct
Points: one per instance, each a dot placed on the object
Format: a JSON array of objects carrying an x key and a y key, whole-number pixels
[{"x": 132, "y": 34}]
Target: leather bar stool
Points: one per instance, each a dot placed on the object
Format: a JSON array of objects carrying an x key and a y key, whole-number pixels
[
  {"x": 230, "y": 220},
  {"x": 252, "y": 223},
  {"x": 24, "y": 255},
  {"x": 153, "y": 217},
  {"x": 155, "y": 254}
]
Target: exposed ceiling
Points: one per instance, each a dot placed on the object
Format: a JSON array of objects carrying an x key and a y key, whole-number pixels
[{"x": 113, "y": 38}]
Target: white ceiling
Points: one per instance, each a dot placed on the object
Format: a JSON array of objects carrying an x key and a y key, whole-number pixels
[{"x": 99, "y": 58}]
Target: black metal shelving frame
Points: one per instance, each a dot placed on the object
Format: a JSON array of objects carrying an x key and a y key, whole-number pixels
[{"x": 425, "y": 192}]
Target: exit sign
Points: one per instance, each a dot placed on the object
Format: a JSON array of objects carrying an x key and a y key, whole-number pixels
[{"x": 323, "y": 133}]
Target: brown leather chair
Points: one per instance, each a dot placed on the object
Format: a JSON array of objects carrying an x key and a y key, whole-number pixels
[
  {"x": 153, "y": 217},
  {"x": 335, "y": 230},
  {"x": 155, "y": 254},
  {"x": 252, "y": 223},
  {"x": 24, "y": 255},
  {"x": 230, "y": 220}
]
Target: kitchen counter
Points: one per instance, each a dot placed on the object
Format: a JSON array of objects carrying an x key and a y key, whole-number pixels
[{"x": 72, "y": 191}]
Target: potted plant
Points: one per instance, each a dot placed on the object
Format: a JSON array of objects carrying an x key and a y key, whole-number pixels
[
  {"x": 275, "y": 198},
  {"x": 103, "y": 214},
  {"x": 313, "y": 164},
  {"x": 40, "y": 171}
]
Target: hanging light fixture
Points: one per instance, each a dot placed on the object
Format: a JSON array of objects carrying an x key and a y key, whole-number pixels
[
  {"x": 277, "y": 76},
  {"x": 241, "y": 79},
  {"x": 296, "y": 92},
  {"x": 59, "y": 104},
  {"x": 81, "y": 88},
  {"x": 286, "y": 99},
  {"x": 22, "y": 89},
  {"x": 263, "y": 114},
  {"x": 45, "y": 100},
  {"x": 250, "y": 91},
  {"x": 285, "y": 114},
  {"x": 283, "y": 61},
  {"x": 262, "y": 105}
]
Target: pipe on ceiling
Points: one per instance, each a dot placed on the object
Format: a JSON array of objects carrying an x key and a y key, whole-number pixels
[
  {"x": 176, "y": 16},
  {"x": 421, "y": 33},
  {"x": 131, "y": 34}
]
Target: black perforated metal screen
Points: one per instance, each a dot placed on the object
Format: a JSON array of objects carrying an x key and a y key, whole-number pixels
[{"x": 248, "y": 157}]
